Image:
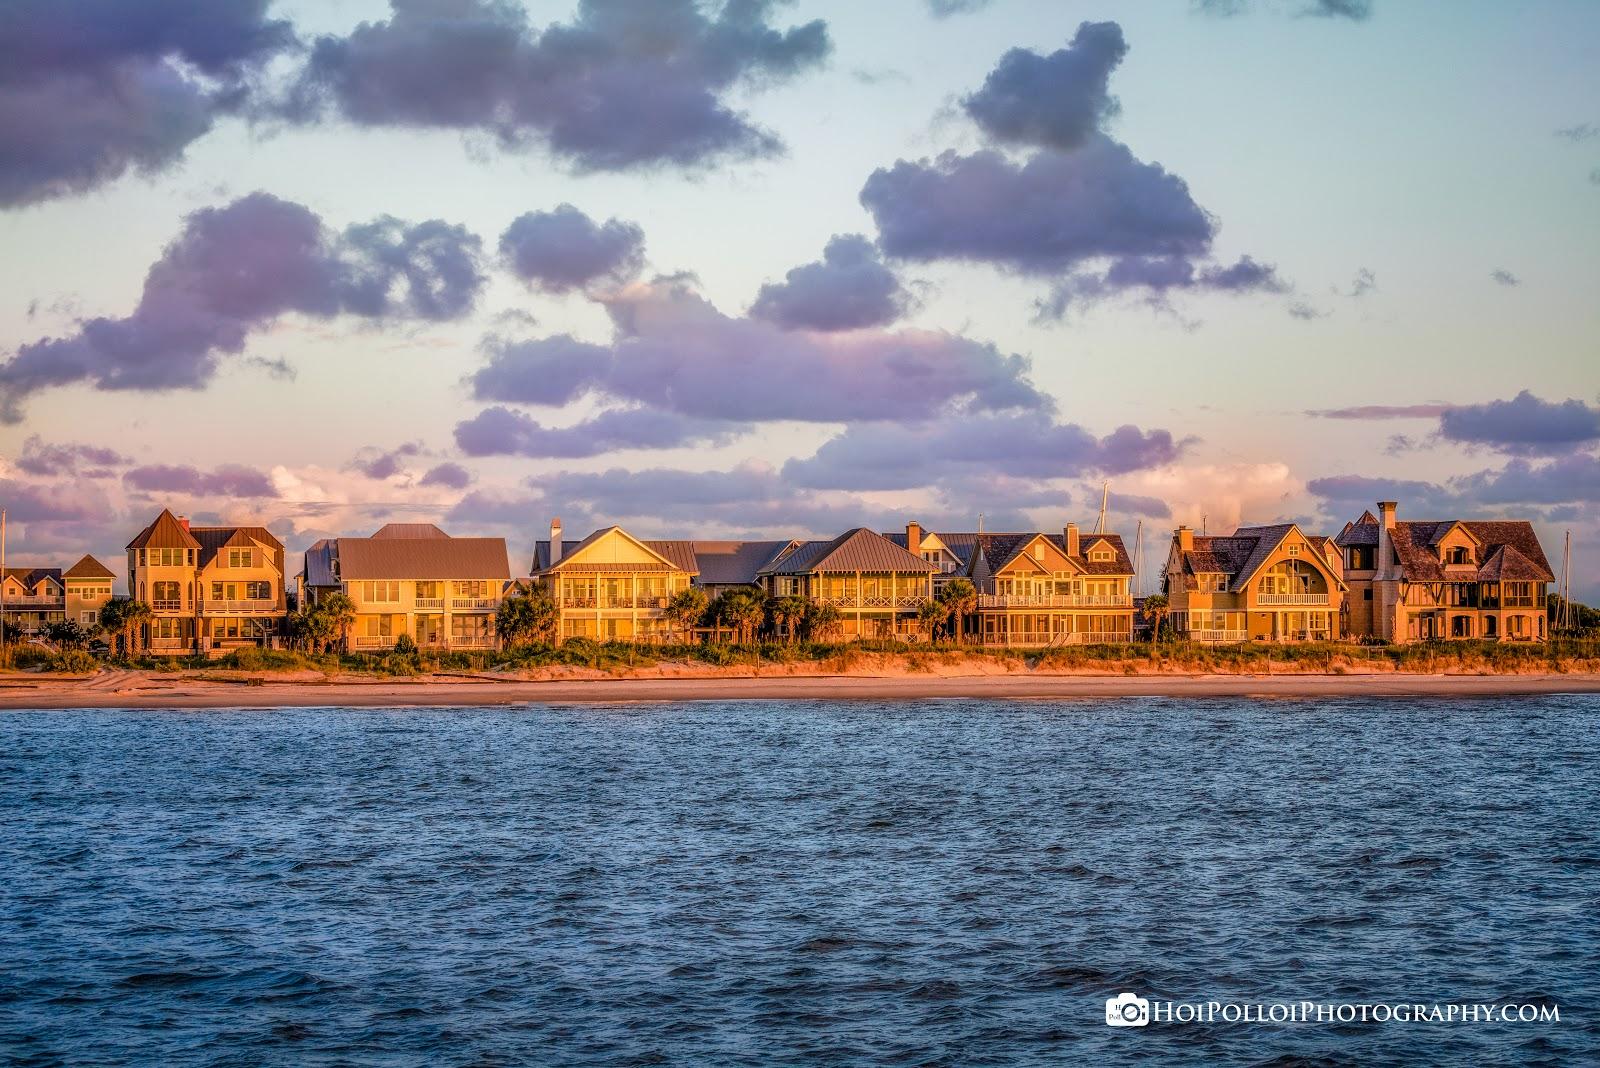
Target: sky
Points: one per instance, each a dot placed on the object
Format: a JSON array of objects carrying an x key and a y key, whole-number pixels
[{"x": 773, "y": 269}]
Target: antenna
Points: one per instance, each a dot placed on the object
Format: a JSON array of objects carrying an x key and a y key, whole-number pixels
[
  {"x": 980, "y": 522},
  {"x": 1105, "y": 496},
  {"x": 1203, "y": 518}
]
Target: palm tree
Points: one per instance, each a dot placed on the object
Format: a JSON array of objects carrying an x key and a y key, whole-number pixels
[
  {"x": 1156, "y": 609},
  {"x": 528, "y": 616},
  {"x": 931, "y": 614},
  {"x": 960, "y": 596},
  {"x": 741, "y": 609},
  {"x": 135, "y": 614},
  {"x": 787, "y": 614},
  {"x": 686, "y": 608},
  {"x": 111, "y": 621},
  {"x": 341, "y": 612},
  {"x": 822, "y": 621}
]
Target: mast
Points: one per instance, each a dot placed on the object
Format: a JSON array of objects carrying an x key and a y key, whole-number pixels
[
  {"x": 2, "y": 579},
  {"x": 1105, "y": 497},
  {"x": 1564, "y": 617},
  {"x": 1138, "y": 555}
]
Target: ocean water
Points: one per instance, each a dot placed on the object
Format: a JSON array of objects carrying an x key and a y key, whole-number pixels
[{"x": 933, "y": 883}]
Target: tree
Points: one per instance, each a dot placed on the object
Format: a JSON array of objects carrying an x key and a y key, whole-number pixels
[
  {"x": 931, "y": 614},
  {"x": 960, "y": 596},
  {"x": 742, "y": 610},
  {"x": 341, "y": 613},
  {"x": 66, "y": 634},
  {"x": 686, "y": 608},
  {"x": 527, "y": 617},
  {"x": 111, "y": 622},
  {"x": 130, "y": 618},
  {"x": 787, "y": 613},
  {"x": 1156, "y": 609},
  {"x": 822, "y": 621}
]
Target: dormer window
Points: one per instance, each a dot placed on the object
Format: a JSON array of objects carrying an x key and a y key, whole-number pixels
[{"x": 1457, "y": 554}]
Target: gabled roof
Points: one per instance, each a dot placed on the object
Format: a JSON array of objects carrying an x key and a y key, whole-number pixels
[
  {"x": 1242, "y": 554},
  {"x": 214, "y": 539},
  {"x": 409, "y": 530},
  {"x": 732, "y": 563},
  {"x": 32, "y": 576},
  {"x": 89, "y": 568},
  {"x": 165, "y": 532},
  {"x": 318, "y": 569},
  {"x": 672, "y": 555},
  {"x": 854, "y": 550},
  {"x": 1415, "y": 542},
  {"x": 420, "y": 558},
  {"x": 1267, "y": 540},
  {"x": 1364, "y": 531}
]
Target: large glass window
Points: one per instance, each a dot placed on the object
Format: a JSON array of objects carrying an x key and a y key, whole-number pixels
[{"x": 385, "y": 591}]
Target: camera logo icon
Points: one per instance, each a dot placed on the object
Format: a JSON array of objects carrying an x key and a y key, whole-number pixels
[{"x": 1127, "y": 1010}]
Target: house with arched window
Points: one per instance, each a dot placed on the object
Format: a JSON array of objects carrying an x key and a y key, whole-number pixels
[{"x": 1272, "y": 584}]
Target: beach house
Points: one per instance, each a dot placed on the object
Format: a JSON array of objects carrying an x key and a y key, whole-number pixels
[
  {"x": 210, "y": 589},
  {"x": 1267, "y": 583},
  {"x": 612, "y": 586}
]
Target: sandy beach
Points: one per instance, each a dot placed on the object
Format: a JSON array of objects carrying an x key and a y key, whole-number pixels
[{"x": 129, "y": 689}]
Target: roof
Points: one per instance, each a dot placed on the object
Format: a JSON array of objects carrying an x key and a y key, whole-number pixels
[
  {"x": 678, "y": 555},
  {"x": 1000, "y": 547},
  {"x": 1241, "y": 554},
  {"x": 854, "y": 550},
  {"x": 409, "y": 530},
  {"x": 165, "y": 532},
  {"x": 1416, "y": 543},
  {"x": 89, "y": 567},
  {"x": 319, "y": 568},
  {"x": 420, "y": 558},
  {"x": 31, "y": 576},
  {"x": 214, "y": 539},
  {"x": 729, "y": 563}
]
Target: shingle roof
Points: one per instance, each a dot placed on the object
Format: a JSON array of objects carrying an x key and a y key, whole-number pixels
[
  {"x": 164, "y": 532},
  {"x": 1415, "y": 542},
  {"x": 422, "y": 558},
  {"x": 1363, "y": 531},
  {"x": 409, "y": 530},
  {"x": 728, "y": 563},
  {"x": 854, "y": 550},
  {"x": 89, "y": 567},
  {"x": 1000, "y": 546}
]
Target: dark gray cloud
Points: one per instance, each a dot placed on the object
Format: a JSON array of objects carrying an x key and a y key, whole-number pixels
[
  {"x": 889, "y": 456},
  {"x": 234, "y": 270},
  {"x": 1055, "y": 101},
  {"x": 90, "y": 89},
  {"x": 228, "y": 480},
  {"x": 1352, "y": 10},
  {"x": 449, "y": 475},
  {"x": 51, "y": 502},
  {"x": 675, "y": 352},
  {"x": 562, "y": 250},
  {"x": 500, "y": 431},
  {"x": 39, "y": 457},
  {"x": 1584, "y": 131},
  {"x": 1594, "y": 176},
  {"x": 1519, "y": 485},
  {"x": 1365, "y": 282},
  {"x": 1382, "y": 411},
  {"x": 1571, "y": 478},
  {"x": 380, "y": 464},
  {"x": 850, "y": 289},
  {"x": 1351, "y": 493},
  {"x": 623, "y": 85},
  {"x": 943, "y": 9},
  {"x": 1524, "y": 424},
  {"x": 1305, "y": 311},
  {"x": 1159, "y": 277},
  {"x": 1504, "y": 277}
]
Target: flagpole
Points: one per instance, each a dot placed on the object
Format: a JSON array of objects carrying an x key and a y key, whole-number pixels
[{"x": 2, "y": 580}]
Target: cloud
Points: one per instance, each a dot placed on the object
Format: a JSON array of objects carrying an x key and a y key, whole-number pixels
[
  {"x": 674, "y": 351},
  {"x": 90, "y": 90},
  {"x": 1574, "y": 477},
  {"x": 1305, "y": 312},
  {"x": 1365, "y": 282},
  {"x": 1157, "y": 277},
  {"x": 447, "y": 475},
  {"x": 38, "y": 502},
  {"x": 234, "y": 270},
  {"x": 1382, "y": 411},
  {"x": 1594, "y": 176},
  {"x": 850, "y": 289},
  {"x": 562, "y": 250},
  {"x": 888, "y": 456},
  {"x": 228, "y": 480},
  {"x": 943, "y": 9},
  {"x": 1584, "y": 131},
  {"x": 1525, "y": 425},
  {"x": 1055, "y": 101},
  {"x": 624, "y": 85},
  {"x": 380, "y": 464},
  {"x": 500, "y": 431},
  {"x": 1505, "y": 277},
  {"x": 68, "y": 458},
  {"x": 1352, "y": 10}
]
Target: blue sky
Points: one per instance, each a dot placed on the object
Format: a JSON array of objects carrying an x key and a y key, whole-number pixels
[{"x": 1384, "y": 168}]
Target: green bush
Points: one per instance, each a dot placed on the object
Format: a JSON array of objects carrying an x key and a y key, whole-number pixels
[{"x": 74, "y": 662}]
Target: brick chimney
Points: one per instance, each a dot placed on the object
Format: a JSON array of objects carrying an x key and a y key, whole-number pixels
[
  {"x": 1186, "y": 539},
  {"x": 1386, "y": 520},
  {"x": 1070, "y": 537},
  {"x": 183, "y": 521},
  {"x": 914, "y": 538},
  {"x": 555, "y": 542}
]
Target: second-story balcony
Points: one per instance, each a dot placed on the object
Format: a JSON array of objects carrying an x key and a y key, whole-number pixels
[
  {"x": 906, "y": 602},
  {"x": 1279, "y": 599},
  {"x": 254, "y": 607},
  {"x": 1054, "y": 600},
  {"x": 426, "y": 603},
  {"x": 623, "y": 601},
  {"x": 473, "y": 604},
  {"x": 33, "y": 601},
  {"x": 162, "y": 604}
]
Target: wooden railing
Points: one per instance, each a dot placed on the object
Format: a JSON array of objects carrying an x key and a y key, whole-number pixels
[
  {"x": 1216, "y": 634},
  {"x": 238, "y": 608},
  {"x": 166, "y": 606},
  {"x": 1080, "y": 637},
  {"x": 430, "y": 602},
  {"x": 34, "y": 601},
  {"x": 1054, "y": 600},
  {"x": 909, "y": 602},
  {"x": 170, "y": 645},
  {"x": 473, "y": 604},
  {"x": 1291, "y": 598}
]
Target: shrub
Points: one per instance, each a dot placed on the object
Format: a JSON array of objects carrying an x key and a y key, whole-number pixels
[{"x": 74, "y": 662}]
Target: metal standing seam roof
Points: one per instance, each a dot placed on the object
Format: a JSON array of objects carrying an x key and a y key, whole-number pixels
[
  {"x": 318, "y": 569},
  {"x": 409, "y": 530},
  {"x": 734, "y": 563},
  {"x": 422, "y": 558},
  {"x": 855, "y": 550},
  {"x": 164, "y": 532},
  {"x": 678, "y": 554},
  {"x": 213, "y": 539}
]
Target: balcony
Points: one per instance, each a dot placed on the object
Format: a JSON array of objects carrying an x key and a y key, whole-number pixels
[
  {"x": 910, "y": 602},
  {"x": 1053, "y": 600},
  {"x": 473, "y": 604},
  {"x": 34, "y": 602},
  {"x": 425, "y": 603},
  {"x": 1217, "y": 635},
  {"x": 166, "y": 606},
  {"x": 1266, "y": 599},
  {"x": 238, "y": 608},
  {"x": 170, "y": 645},
  {"x": 372, "y": 641},
  {"x": 606, "y": 603},
  {"x": 1045, "y": 638}
]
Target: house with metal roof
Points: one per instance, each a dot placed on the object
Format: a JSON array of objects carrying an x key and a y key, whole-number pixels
[
  {"x": 210, "y": 589},
  {"x": 1266, "y": 583},
  {"x": 412, "y": 579},
  {"x": 1036, "y": 588},
  {"x": 1426, "y": 580},
  {"x": 877, "y": 585},
  {"x": 612, "y": 586}
]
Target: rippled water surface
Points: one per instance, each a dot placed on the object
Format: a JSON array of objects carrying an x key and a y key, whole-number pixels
[{"x": 956, "y": 882}]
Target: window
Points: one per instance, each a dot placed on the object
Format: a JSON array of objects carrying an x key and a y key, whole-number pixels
[
  {"x": 1362, "y": 557},
  {"x": 382, "y": 592},
  {"x": 429, "y": 589},
  {"x": 240, "y": 558},
  {"x": 167, "y": 557},
  {"x": 258, "y": 591},
  {"x": 1366, "y": 594},
  {"x": 88, "y": 618},
  {"x": 377, "y": 626},
  {"x": 478, "y": 588},
  {"x": 1294, "y": 550},
  {"x": 167, "y": 592},
  {"x": 1458, "y": 554}
]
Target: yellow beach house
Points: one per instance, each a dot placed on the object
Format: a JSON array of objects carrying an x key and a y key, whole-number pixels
[{"x": 1267, "y": 583}]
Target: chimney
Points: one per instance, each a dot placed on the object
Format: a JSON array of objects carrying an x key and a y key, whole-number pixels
[
  {"x": 1385, "y": 561},
  {"x": 1071, "y": 539},
  {"x": 555, "y": 542},
  {"x": 1386, "y": 510},
  {"x": 183, "y": 521},
  {"x": 914, "y": 538},
  {"x": 1186, "y": 539}
]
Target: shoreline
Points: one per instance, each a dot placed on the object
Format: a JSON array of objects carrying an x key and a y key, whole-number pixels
[{"x": 155, "y": 690}]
